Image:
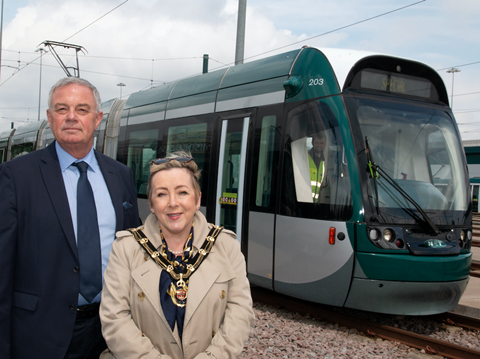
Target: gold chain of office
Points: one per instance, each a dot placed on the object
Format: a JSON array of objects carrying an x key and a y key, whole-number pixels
[{"x": 161, "y": 258}]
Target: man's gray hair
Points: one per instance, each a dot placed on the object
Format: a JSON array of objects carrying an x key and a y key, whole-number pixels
[{"x": 77, "y": 81}]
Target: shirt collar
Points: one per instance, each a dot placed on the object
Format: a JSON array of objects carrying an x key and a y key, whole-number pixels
[{"x": 65, "y": 159}]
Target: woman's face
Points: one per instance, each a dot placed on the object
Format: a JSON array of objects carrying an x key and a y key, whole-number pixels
[{"x": 173, "y": 201}]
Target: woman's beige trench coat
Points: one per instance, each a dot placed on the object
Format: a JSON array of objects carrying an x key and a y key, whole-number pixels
[{"x": 219, "y": 310}]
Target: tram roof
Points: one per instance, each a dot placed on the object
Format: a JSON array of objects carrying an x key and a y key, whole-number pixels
[
  {"x": 30, "y": 127},
  {"x": 276, "y": 66},
  {"x": 5, "y": 135}
]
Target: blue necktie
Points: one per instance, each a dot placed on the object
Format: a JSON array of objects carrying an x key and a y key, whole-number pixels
[{"x": 88, "y": 237}]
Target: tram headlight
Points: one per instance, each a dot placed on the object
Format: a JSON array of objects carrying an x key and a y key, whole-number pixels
[
  {"x": 462, "y": 235},
  {"x": 469, "y": 235},
  {"x": 373, "y": 234},
  {"x": 389, "y": 235}
]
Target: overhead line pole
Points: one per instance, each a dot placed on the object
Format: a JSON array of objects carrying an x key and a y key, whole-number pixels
[{"x": 242, "y": 12}]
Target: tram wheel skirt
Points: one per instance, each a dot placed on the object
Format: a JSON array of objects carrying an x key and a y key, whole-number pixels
[{"x": 405, "y": 298}]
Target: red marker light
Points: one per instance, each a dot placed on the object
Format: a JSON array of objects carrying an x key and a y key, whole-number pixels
[{"x": 331, "y": 235}]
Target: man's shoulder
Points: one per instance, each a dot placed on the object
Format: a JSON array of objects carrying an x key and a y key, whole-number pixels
[
  {"x": 27, "y": 159},
  {"x": 105, "y": 160}
]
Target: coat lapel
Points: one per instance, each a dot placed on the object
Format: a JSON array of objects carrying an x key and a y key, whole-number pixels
[
  {"x": 199, "y": 285},
  {"x": 53, "y": 179},
  {"x": 146, "y": 276},
  {"x": 113, "y": 188}
]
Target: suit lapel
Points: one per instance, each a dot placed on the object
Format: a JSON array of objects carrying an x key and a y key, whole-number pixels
[
  {"x": 113, "y": 188},
  {"x": 53, "y": 179}
]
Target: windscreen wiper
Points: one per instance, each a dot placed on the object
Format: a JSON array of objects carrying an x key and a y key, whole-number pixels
[
  {"x": 373, "y": 173},
  {"x": 376, "y": 171}
]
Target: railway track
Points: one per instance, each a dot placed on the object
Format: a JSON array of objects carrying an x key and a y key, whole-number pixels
[
  {"x": 430, "y": 345},
  {"x": 476, "y": 230}
]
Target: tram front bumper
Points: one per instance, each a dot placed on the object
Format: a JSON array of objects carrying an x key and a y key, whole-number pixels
[{"x": 405, "y": 298}]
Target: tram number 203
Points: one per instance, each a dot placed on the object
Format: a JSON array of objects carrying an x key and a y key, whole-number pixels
[{"x": 315, "y": 82}]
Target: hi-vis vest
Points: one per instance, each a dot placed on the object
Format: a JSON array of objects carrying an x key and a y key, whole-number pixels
[{"x": 316, "y": 177}]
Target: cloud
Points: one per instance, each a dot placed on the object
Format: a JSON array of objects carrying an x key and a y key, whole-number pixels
[{"x": 151, "y": 41}]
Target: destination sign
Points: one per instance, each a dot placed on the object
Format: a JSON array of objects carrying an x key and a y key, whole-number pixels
[{"x": 396, "y": 84}]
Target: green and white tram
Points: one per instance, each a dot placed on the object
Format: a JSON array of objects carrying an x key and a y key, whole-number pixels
[{"x": 385, "y": 225}]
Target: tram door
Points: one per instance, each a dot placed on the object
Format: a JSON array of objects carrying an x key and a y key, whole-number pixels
[{"x": 231, "y": 174}]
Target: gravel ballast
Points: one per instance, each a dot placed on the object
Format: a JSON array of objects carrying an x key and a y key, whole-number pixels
[{"x": 278, "y": 333}]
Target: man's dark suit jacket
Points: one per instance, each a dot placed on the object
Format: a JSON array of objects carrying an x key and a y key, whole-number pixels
[{"x": 39, "y": 279}]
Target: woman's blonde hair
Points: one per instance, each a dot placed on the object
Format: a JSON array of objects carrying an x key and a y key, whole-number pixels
[{"x": 191, "y": 166}]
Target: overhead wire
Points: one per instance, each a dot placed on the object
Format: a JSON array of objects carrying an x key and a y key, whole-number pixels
[
  {"x": 223, "y": 64},
  {"x": 43, "y": 53},
  {"x": 228, "y": 64}
]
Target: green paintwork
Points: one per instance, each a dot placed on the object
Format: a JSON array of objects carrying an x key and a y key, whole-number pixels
[
  {"x": 259, "y": 70},
  {"x": 252, "y": 89},
  {"x": 153, "y": 108},
  {"x": 250, "y": 79},
  {"x": 473, "y": 155},
  {"x": 293, "y": 86},
  {"x": 156, "y": 94},
  {"x": 336, "y": 105},
  {"x": 194, "y": 100},
  {"x": 365, "y": 245},
  {"x": 398, "y": 267},
  {"x": 312, "y": 67},
  {"x": 198, "y": 84}
]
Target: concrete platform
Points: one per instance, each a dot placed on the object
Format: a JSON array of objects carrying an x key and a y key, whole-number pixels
[{"x": 470, "y": 302}]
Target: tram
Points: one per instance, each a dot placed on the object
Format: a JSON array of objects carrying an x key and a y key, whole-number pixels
[{"x": 387, "y": 228}]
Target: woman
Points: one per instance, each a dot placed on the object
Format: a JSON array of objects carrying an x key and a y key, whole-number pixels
[{"x": 201, "y": 306}]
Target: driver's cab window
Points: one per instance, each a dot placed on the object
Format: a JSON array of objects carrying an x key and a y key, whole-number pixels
[{"x": 316, "y": 180}]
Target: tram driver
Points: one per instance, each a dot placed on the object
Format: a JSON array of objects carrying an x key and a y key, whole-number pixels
[{"x": 316, "y": 161}]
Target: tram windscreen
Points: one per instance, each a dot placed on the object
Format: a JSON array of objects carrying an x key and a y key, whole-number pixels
[{"x": 418, "y": 147}]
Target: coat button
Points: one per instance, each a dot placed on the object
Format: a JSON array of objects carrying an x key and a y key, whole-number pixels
[
  {"x": 141, "y": 296},
  {"x": 72, "y": 307},
  {"x": 76, "y": 269},
  {"x": 213, "y": 333},
  {"x": 222, "y": 294},
  {"x": 146, "y": 256}
]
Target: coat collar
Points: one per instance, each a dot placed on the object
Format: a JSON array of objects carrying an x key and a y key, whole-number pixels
[
  {"x": 148, "y": 274},
  {"x": 201, "y": 229}
]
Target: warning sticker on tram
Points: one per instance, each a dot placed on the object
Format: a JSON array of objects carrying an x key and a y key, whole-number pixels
[{"x": 228, "y": 198}]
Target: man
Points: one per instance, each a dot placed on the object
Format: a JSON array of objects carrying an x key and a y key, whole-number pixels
[
  {"x": 45, "y": 310},
  {"x": 316, "y": 161}
]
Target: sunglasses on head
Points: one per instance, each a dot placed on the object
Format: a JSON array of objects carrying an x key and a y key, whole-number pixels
[{"x": 159, "y": 161}]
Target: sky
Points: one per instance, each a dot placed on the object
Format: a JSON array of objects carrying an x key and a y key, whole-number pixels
[{"x": 144, "y": 43}]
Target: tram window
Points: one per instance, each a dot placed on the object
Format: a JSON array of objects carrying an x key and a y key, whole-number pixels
[
  {"x": 142, "y": 149},
  {"x": 193, "y": 138},
  {"x": 316, "y": 179},
  {"x": 21, "y": 149},
  {"x": 265, "y": 161}
]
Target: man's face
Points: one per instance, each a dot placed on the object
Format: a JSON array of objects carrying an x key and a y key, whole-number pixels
[
  {"x": 73, "y": 118},
  {"x": 318, "y": 145}
]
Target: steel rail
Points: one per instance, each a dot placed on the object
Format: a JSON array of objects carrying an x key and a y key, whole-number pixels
[
  {"x": 430, "y": 345},
  {"x": 475, "y": 269},
  {"x": 458, "y": 320}
]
